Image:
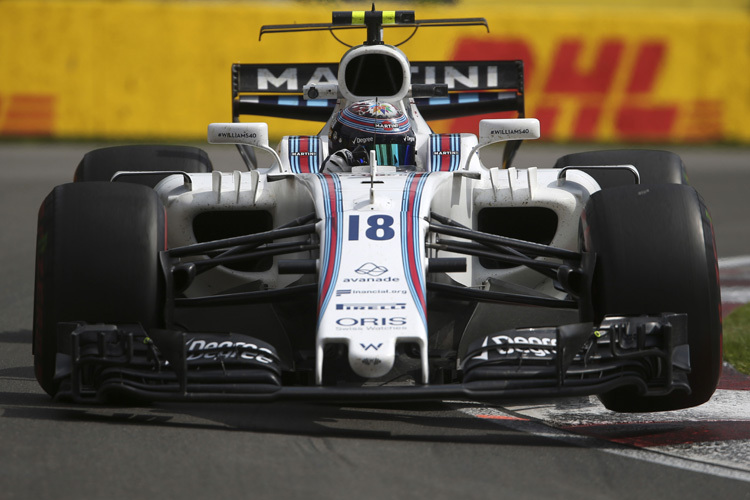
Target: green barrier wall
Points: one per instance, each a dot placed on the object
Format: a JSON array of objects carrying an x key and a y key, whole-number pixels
[{"x": 161, "y": 70}]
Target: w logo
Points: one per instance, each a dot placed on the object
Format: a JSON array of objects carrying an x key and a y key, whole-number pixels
[{"x": 368, "y": 346}]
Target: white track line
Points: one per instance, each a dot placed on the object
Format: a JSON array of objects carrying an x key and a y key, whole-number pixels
[
  {"x": 731, "y": 266},
  {"x": 735, "y": 294},
  {"x": 734, "y": 262},
  {"x": 537, "y": 428}
]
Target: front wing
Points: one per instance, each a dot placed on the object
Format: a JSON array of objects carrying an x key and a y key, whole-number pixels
[{"x": 97, "y": 363}]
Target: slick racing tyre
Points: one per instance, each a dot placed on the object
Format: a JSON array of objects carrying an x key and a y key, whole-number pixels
[
  {"x": 654, "y": 167},
  {"x": 101, "y": 164},
  {"x": 96, "y": 261},
  {"x": 655, "y": 253}
]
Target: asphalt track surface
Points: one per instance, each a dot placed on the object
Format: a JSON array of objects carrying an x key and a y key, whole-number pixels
[{"x": 558, "y": 449}]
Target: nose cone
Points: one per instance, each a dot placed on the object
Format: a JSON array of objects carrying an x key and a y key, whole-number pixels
[{"x": 373, "y": 358}]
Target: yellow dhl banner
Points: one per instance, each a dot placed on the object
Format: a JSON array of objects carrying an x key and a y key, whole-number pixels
[{"x": 161, "y": 70}]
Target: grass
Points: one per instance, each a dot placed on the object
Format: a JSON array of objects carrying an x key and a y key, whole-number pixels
[{"x": 737, "y": 339}]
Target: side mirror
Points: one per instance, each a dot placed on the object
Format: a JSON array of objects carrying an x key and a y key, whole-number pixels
[
  {"x": 500, "y": 130},
  {"x": 503, "y": 130},
  {"x": 254, "y": 135}
]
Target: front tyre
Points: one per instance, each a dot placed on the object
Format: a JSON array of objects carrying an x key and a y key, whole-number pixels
[
  {"x": 97, "y": 261},
  {"x": 102, "y": 164},
  {"x": 654, "y": 166},
  {"x": 655, "y": 253}
]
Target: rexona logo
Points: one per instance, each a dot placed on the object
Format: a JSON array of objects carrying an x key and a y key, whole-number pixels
[{"x": 200, "y": 349}]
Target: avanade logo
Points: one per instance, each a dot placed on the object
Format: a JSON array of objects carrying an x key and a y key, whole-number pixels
[
  {"x": 371, "y": 273},
  {"x": 370, "y": 269}
]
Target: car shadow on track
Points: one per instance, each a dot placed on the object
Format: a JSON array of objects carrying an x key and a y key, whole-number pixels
[
  {"x": 419, "y": 422},
  {"x": 17, "y": 337},
  {"x": 22, "y": 398}
]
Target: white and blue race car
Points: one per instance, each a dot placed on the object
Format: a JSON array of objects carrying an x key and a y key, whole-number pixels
[{"x": 377, "y": 260}]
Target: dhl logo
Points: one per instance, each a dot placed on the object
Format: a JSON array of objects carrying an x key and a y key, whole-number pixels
[
  {"x": 604, "y": 90},
  {"x": 27, "y": 114}
]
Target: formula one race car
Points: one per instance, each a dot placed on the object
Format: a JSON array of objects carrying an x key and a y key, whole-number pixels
[{"x": 377, "y": 260}]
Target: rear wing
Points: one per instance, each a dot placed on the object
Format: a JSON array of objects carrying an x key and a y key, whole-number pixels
[{"x": 473, "y": 88}]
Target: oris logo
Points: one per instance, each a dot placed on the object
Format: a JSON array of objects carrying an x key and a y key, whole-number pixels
[{"x": 394, "y": 321}]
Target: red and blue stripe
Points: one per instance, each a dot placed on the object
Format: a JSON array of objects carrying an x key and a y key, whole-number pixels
[
  {"x": 411, "y": 241},
  {"x": 331, "y": 238},
  {"x": 304, "y": 154},
  {"x": 445, "y": 152},
  {"x": 373, "y": 125}
]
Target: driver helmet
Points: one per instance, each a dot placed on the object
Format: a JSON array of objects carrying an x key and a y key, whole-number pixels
[{"x": 371, "y": 125}]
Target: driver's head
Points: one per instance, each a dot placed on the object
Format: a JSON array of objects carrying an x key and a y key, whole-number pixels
[{"x": 377, "y": 126}]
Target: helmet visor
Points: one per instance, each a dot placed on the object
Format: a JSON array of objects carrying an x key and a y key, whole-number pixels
[{"x": 397, "y": 155}]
